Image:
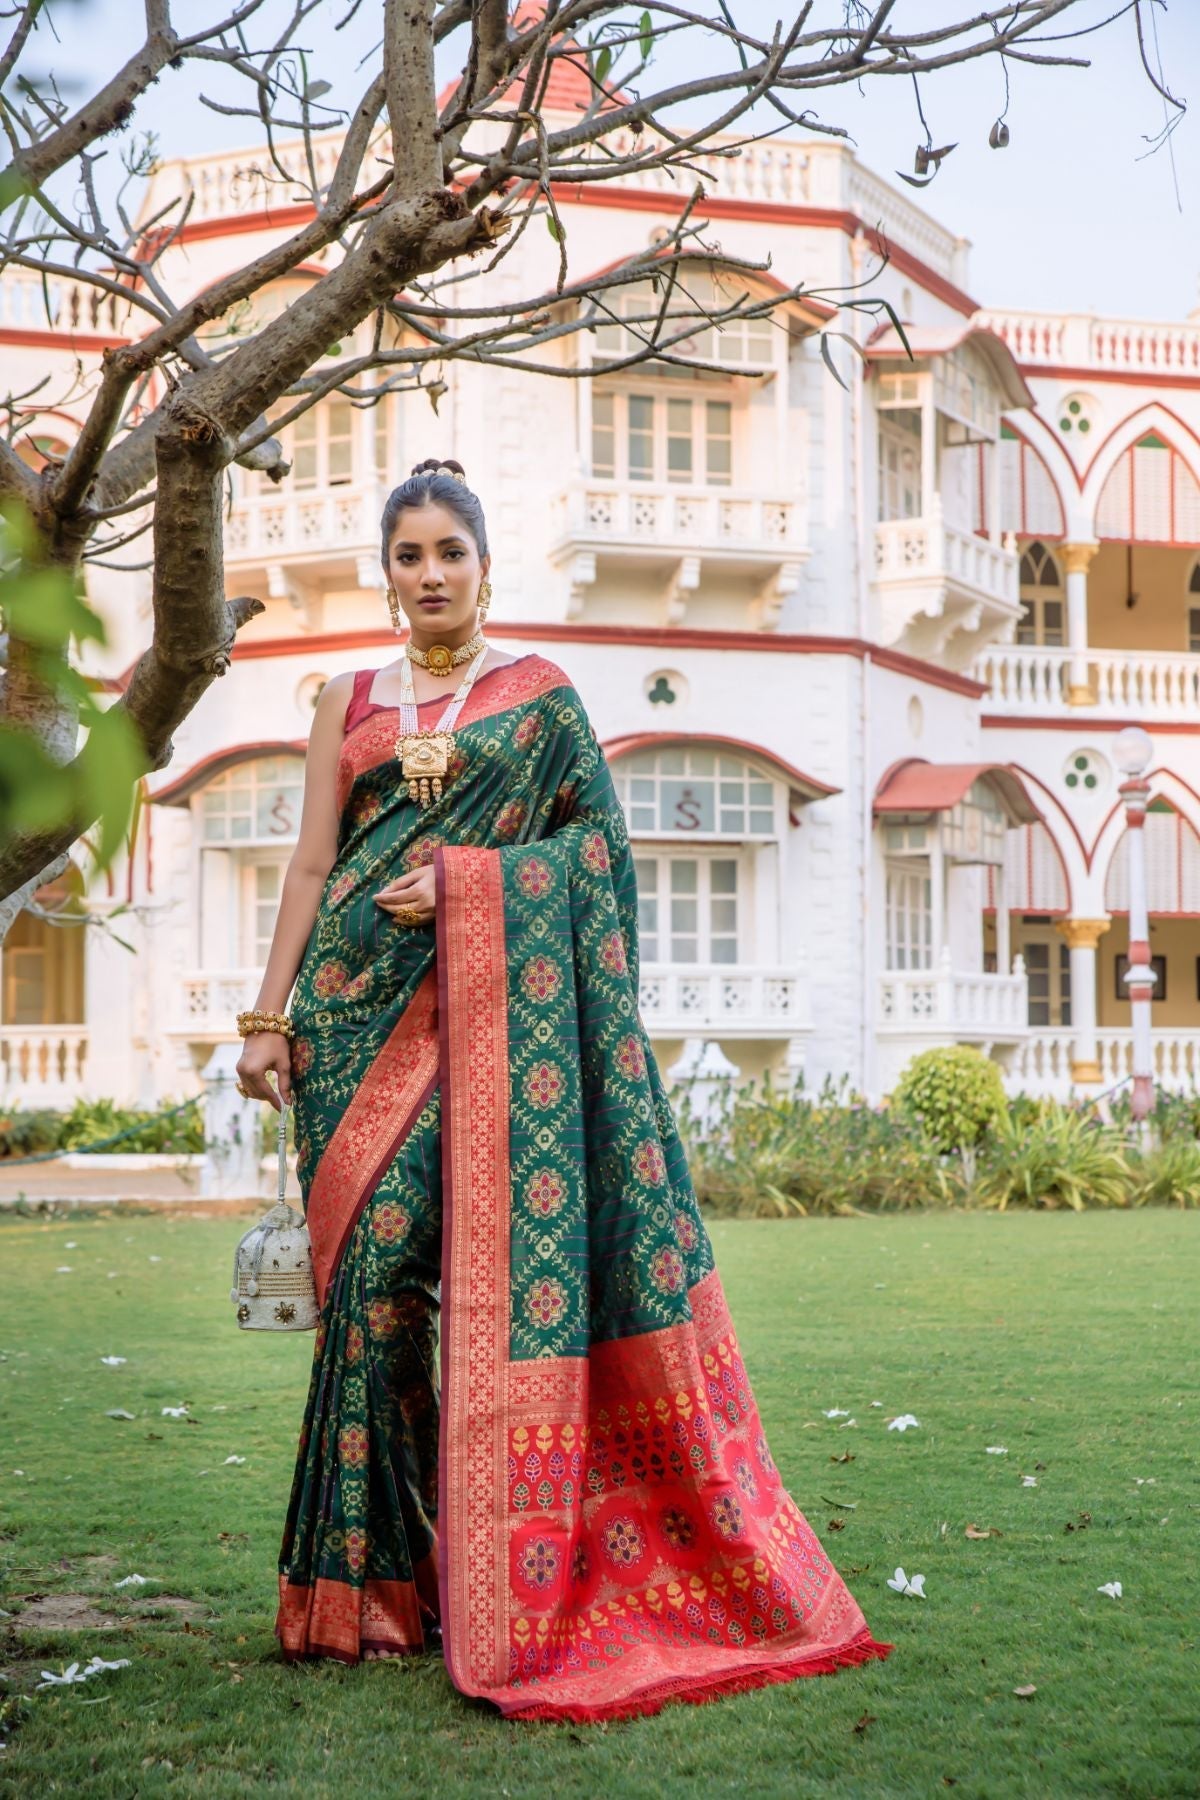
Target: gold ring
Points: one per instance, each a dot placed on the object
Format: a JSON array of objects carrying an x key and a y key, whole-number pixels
[
  {"x": 244, "y": 1092},
  {"x": 407, "y": 915}
]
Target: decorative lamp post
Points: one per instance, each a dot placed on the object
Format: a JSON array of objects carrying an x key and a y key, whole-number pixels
[{"x": 1132, "y": 750}]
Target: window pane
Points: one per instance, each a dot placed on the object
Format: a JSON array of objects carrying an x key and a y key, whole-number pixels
[
  {"x": 684, "y": 876},
  {"x": 679, "y": 440},
  {"x": 304, "y": 466},
  {"x": 641, "y": 438},
  {"x": 724, "y": 876},
  {"x": 718, "y": 449},
  {"x": 604, "y": 436}
]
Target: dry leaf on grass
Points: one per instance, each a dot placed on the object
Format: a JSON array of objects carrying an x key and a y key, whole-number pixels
[
  {"x": 982, "y": 1531},
  {"x": 846, "y": 1456},
  {"x": 860, "y": 1725},
  {"x": 1025, "y": 1693},
  {"x": 836, "y": 1525}
]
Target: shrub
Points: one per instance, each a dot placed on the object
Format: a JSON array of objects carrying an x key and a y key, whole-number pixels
[
  {"x": 1168, "y": 1174},
  {"x": 1052, "y": 1157},
  {"x": 29, "y": 1133},
  {"x": 788, "y": 1155},
  {"x": 954, "y": 1094}
]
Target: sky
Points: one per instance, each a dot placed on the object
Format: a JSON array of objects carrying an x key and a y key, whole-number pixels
[{"x": 1077, "y": 214}]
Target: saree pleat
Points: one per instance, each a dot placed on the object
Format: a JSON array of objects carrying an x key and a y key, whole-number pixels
[{"x": 588, "y": 1507}]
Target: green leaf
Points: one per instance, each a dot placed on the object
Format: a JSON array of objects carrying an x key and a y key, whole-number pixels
[
  {"x": 43, "y": 607},
  {"x": 604, "y": 64},
  {"x": 646, "y": 35},
  {"x": 554, "y": 228},
  {"x": 35, "y": 792},
  {"x": 115, "y": 761}
]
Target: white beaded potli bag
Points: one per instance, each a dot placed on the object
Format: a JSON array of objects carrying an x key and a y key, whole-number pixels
[{"x": 273, "y": 1287}]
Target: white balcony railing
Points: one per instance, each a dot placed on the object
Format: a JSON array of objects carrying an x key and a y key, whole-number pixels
[
  {"x": 43, "y": 1065},
  {"x": 68, "y": 308},
  {"x": 945, "y": 1002},
  {"x": 679, "y": 521},
  {"x": 209, "y": 1001},
  {"x": 1080, "y": 341},
  {"x": 723, "y": 1000},
  {"x": 926, "y": 551},
  {"x": 1128, "y": 684},
  {"x": 314, "y": 523},
  {"x": 1042, "y": 1063}
]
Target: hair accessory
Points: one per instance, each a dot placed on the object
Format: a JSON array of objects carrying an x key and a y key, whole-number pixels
[{"x": 456, "y": 474}]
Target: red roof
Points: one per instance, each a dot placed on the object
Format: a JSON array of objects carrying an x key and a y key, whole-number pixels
[
  {"x": 569, "y": 88},
  {"x": 913, "y": 786}
]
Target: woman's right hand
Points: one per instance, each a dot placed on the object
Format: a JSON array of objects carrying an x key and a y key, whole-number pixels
[{"x": 263, "y": 1051}]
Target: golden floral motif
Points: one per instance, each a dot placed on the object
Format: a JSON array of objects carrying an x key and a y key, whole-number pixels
[
  {"x": 612, "y": 953},
  {"x": 649, "y": 1163},
  {"x": 595, "y": 853},
  {"x": 342, "y": 886},
  {"x": 510, "y": 819},
  {"x": 546, "y": 1302},
  {"x": 545, "y": 1193},
  {"x": 541, "y": 978},
  {"x": 535, "y": 878},
  {"x": 330, "y": 979},
  {"x": 544, "y": 1084},
  {"x": 631, "y": 1058},
  {"x": 383, "y": 1320},
  {"x": 354, "y": 1343},
  {"x": 357, "y": 1544},
  {"x": 666, "y": 1270},
  {"x": 353, "y": 1446},
  {"x": 623, "y": 1542},
  {"x": 302, "y": 1055}
]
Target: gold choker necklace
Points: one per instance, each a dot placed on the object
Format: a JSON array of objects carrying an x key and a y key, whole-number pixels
[{"x": 440, "y": 660}]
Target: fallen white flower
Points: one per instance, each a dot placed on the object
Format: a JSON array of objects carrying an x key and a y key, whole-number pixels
[
  {"x": 132, "y": 1581},
  {"x": 837, "y": 1412},
  {"x": 234, "y": 1459},
  {"x": 174, "y": 1412},
  {"x": 50, "y": 1679},
  {"x": 846, "y": 1422},
  {"x": 877, "y": 1403},
  {"x": 1029, "y": 1481},
  {"x": 118, "y": 1412},
  {"x": 63, "y": 1269},
  {"x": 996, "y": 1450},
  {"x": 71, "y": 1246},
  {"x": 910, "y": 1586},
  {"x": 155, "y": 1259},
  {"x": 1145, "y": 1480},
  {"x": 903, "y": 1422},
  {"x": 98, "y": 1665},
  {"x": 113, "y": 1362},
  {"x": 1112, "y": 1589}
]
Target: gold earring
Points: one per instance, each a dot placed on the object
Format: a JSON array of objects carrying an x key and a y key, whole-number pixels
[
  {"x": 394, "y": 608},
  {"x": 484, "y": 599}
]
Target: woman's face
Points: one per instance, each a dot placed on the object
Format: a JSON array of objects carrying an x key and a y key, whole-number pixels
[{"x": 435, "y": 567}]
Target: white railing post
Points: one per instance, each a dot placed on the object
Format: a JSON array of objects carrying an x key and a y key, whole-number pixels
[{"x": 1132, "y": 750}]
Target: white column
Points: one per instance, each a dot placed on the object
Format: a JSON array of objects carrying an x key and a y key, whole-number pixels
[
  {"x": 937, "y": 890},
  {"x": 1132, "y": 750},
  {"x": 1076, "y": 558},
  {"x": 1082, "y": 937},
  {"x": 1003, "y": 924}
]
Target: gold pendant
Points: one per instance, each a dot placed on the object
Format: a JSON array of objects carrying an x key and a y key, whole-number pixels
[
  {"x": 439, "y": 660},
  {"x": 424, "y": 760}
]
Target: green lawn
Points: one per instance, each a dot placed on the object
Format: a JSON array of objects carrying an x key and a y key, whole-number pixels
[{"x": 1072, "y": 1340}]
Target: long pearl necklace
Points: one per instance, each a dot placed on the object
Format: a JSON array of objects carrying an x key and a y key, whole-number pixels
[{"x": 425, "y": 755}]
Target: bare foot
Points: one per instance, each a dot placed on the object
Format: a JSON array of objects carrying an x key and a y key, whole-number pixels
[{"x": 381, "y": 1655}]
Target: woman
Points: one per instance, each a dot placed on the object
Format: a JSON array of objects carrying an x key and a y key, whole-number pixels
[{"x": 597, "y": 1526}]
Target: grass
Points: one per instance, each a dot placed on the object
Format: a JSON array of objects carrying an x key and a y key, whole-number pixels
[{"x": 1072, "y": 1340}]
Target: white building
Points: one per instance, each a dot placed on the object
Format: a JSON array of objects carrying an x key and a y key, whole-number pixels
[{"x": 858, "y": 653}]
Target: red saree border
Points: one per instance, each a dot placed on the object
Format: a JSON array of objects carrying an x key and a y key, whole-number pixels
[
  {"x": 371, "y": 1130},
  {"x": 373, "y": 740},
  {"x": 473, "y": 1015},
  {"x": 331, "y": 1618}
]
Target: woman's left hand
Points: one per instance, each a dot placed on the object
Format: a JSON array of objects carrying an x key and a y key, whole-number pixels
[{"x": 417, "y": 889}]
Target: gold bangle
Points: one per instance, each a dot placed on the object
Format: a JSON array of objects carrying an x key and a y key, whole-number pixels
[{"x": 256, "y": 1020}]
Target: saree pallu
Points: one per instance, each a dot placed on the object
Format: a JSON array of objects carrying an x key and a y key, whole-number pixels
[{"x": 579, "y": 1490}]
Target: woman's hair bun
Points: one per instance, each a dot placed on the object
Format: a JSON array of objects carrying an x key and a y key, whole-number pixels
[{"x": 432, "y": 464}]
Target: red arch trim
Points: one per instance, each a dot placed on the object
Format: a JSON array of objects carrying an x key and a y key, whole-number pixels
[
  {"x": 807, "y": 786},
  {"x": 208, "y": 767}
]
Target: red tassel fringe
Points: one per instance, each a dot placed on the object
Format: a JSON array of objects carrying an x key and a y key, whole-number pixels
[{"x": 861, "y": 1650}]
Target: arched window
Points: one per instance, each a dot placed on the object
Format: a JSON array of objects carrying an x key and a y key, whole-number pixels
[
  {"x": 255, "y": 802},
  {"x": 701, "y": 819},
  {"x": 1042, "y": 606},
  {"x": 1193, "y": 606},
  {"x": 250, "y": 816}
]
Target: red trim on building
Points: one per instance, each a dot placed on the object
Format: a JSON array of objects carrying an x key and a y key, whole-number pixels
[
  {"x": 774, "y": 212},
  {"x": 179, "y": 790},
  {"x": 660, "y": 637},
  {"x": 913, "y": 785},
  {"x": 1083, "y": 722},
  {"x": 805, "y": 785},
  {"x": 1150, "y": 378}
]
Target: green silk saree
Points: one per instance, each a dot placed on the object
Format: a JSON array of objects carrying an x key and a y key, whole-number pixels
[{"x": 578, "y": 1490}]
